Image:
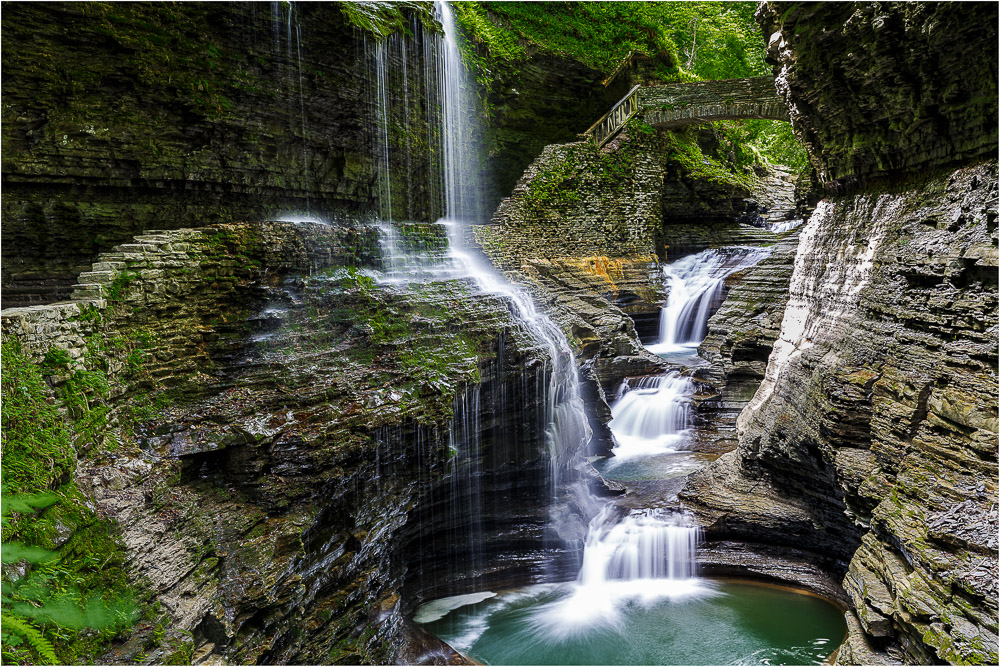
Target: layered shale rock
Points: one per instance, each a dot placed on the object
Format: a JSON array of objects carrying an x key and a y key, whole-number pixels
[
  {"x": 282, "y": 429},
  {"x": 880, "y": 89},
  {"x": 877, "y": 418}
]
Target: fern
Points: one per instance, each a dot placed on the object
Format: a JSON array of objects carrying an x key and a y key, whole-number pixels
[{"x": 38, "y": 642}]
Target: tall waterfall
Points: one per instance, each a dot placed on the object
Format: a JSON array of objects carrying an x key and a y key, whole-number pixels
[
  {"x": 696, "y": 284},
  {"x": 565, "y": 428}
]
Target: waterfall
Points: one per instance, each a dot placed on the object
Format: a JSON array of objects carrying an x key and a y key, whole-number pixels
[
  {"x": 459, "y": 138},
  {"x": 644, "y": 557},
  {"x": 641, "y": 546},
  {"x": 563, "y": 420},
  {"x": 696, "y": 284},
  {"x": 567, "y": 432},
  {"x": 652, "y": 416}
]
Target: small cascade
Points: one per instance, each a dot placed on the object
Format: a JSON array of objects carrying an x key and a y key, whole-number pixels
[
  {"x": 651, "y": 415},
  {"x": 644, "y": 558},
  {"x": 640, "y": 547},
  {"x": 696, "y": 287},
  {"x": 417, "y": 257},
  {"x": 785, "y": 225}
]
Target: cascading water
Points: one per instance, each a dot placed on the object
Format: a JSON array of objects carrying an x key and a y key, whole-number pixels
[
  {"x": 444, "y": 257},
  {"x": 651, "y": 415},
  {"x": 696, "y": 284},
  {"x": 643, "y": 557},
  {"x": 785, "y": 225}
]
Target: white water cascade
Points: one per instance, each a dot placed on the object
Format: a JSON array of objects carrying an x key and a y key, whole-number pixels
[
  {"x": 644, "y": 558},
  {"x": 460, "y": 138},
  {"x": 651, "y": 415},
  {"x": 696, "y": 284},
  {"x": 566, "y": 431}
]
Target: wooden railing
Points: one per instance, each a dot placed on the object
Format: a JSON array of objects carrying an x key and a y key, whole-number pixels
[{"x": 613, "y": 121}]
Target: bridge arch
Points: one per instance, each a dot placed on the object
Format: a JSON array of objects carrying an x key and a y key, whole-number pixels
[{"x": 678, "y": 104}]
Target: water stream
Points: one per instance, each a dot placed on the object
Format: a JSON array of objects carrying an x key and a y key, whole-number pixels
[
  {"x": 637, "y": 569},
  {"x": 696, "y": 285}
]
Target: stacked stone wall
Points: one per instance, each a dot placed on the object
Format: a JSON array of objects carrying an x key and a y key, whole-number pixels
[{"x": 696, "y": 102}]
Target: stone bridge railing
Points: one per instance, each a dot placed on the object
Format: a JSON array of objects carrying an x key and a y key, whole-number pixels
[{"x": 698, "y": 102}]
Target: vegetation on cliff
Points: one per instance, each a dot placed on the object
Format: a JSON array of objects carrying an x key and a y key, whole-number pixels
[
  {"x": 65, "y": 590},
  {"x": 687, "y": 41}
]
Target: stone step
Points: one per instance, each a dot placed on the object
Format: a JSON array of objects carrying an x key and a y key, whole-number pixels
[
  {"x": 105, "y": 265},
  {"x": 102, "y": 277},
  {"x": 88, "y": 291}
]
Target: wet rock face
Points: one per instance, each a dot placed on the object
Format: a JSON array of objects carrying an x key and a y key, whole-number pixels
[
  {"x": 867, "y": 441},
  {"x": 740, "y": 336},
  {"x": 123, "y": 118},
  {"x": 321, "y": 443},
  {"x": 882, "y": 89}
]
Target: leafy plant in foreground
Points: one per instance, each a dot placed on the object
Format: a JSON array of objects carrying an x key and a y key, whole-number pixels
[{"x": 40, "y": 596}]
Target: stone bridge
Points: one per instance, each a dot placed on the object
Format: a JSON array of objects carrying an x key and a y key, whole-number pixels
[{"x": 678, "y": 104}]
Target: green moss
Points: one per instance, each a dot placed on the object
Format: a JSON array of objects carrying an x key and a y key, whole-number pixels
[
  {"x": 382, "y": 19},
  {"x": 39, "y": 455},
  {"x": 685, "y": 152}
]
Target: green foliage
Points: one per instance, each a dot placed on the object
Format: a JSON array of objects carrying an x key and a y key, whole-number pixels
[
  {"x": 770, "y": 141},
  {"x": 598, "y": 34},
  {"x": 37, "y": 444},
  {"x": 715, "y": 40},
  {"x": 75, "y": 599},
  {"x": 694, "y": 40},
  {"x": 381, "y": 18},
  {"x": 119, "y": 287},
  {"x": 66, "y": 603}
]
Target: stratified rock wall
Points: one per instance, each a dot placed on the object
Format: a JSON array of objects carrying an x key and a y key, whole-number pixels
[
  {"x": 290, "y": 446},
  {"x": 877, "y": 417},
  {"x": 880, "y": 89},
  {"x": 124, "y": 117}
]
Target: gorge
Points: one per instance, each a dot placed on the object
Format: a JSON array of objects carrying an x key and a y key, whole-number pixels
[{"x": 330, "y": 335}]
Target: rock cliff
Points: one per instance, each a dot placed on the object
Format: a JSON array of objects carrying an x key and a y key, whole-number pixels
[
  {"x": 921, "y": 93},
  {"x": 872, "y": 439},
  {"x": 290, "y": 446}
]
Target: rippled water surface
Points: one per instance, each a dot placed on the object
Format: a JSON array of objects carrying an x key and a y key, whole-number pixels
[{"x": 705, "y": 623}]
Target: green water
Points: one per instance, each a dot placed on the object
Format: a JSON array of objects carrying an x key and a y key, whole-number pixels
[
  {"x": 655, "y": 466},
  {"x": 727, "y": 624}
]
